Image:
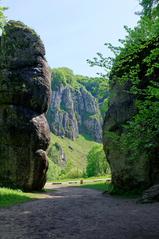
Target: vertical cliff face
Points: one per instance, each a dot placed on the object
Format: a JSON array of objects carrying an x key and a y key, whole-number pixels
[
  {"x": 24, "y": 97},
  {"x": 135, "y": 165},
  {"x": 125, "y": 173},
  {"x": 61, "y": 116},
  {"x": 74, "y": 111}
]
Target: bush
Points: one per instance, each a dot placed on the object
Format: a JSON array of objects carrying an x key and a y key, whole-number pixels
[
  {"x": 96, "y": 162},
  {"x": 54, "y": 171}
]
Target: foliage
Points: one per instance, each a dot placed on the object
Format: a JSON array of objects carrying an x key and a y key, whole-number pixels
[
  {"x": 63, "y": 76},
  {"x": 96, "y": 162},
  {"x": 137, "y": 39},
  {"x": 136, "y": 62},
  {"x": 58, "y": 79},
  {"x": 141, "y": 67},
  {"x": 104, "y": 107},
  {"x": 73, "y": 172},
  {"x": 76, "y": 154},
  {"x": 143, "y": 130},
  {"x": 54, "y": 171},
  {"x": 146, "y": 30},
  {"x": 98, "y": 86},
  {"x": 150, "y": 7},
  {"x": 2, "y": 17}
]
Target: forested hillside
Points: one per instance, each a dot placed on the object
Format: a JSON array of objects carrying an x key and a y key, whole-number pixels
[{"x": 99, "y": 88}]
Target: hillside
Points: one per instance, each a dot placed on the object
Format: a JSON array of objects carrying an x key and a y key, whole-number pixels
[
  {"x": 73, "y": 162},
  {"x": 75, "y": 112}
]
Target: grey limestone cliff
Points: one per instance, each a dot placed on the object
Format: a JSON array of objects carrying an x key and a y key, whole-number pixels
[{"x": 74, "y": 111}]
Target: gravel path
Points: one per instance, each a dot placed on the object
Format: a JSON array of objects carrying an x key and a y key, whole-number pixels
[{"x": 76, "y": 213}]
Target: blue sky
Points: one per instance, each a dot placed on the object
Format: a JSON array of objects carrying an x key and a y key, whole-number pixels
[{"x": 74, "y": 30}]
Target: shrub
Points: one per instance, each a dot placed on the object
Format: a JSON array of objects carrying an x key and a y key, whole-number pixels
[{"x": 96, "y": 162}]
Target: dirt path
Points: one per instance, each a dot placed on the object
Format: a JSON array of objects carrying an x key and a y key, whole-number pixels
[{"x": 75, "y": 213}]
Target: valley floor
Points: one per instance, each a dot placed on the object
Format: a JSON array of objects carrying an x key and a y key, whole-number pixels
[{"x": 80, "y": 213}]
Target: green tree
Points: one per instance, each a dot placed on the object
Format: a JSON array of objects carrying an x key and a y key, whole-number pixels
[
  {"x": 63, "y": 76},
  {"x": 96, "y": 162},
  {"x": 149, "y": 7},
  {"x": 142, "y": 130},
  {"x": 98, "y": 86},
  {"x": 58, "y": 78}
]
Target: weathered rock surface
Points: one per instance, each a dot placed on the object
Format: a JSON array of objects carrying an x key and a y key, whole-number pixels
[
  {"x": 125, "y": 173},
  {"x": 143, "y": 171},
  {"x": 24, "y": 97},
  {"x": 74, "y": 111},
  {"x": 151, "y": 195},
  {"x": 61, "y": 158}
]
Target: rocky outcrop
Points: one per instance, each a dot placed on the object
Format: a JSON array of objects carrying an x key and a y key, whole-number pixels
[
  {"x": 24, "y": 97},
  {"x": 61, "y": 158},
  {"x": 142, "y": 171},
  {"x": 150, "y": 195},
  {"x": 74, "y": 111},
  {"x": 125, "y": 173}
]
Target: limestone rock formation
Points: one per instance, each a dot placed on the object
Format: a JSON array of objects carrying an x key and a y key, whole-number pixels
[
  {"x": 74, "y": 111},
  {"x": 121, "y": 109},
  {"x": 143, "y": 171},
  {"x": 58, "y": 155},
  {"x": 24, "y": 97}
]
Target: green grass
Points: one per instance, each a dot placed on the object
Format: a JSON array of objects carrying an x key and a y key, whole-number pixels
[
  {"x": 10, "y": 197},
  {"x": 76, "y": 153},
  {"x": 81, "y": 146},
  {"x": 108, "y": 187},
  {"x": 98, "y": 186}
]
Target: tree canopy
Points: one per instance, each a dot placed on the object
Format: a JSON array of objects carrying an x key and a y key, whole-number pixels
[
  {"x": 140, "y": 43},
  {"x": 149, "y": 7},
  {"x": 96, "y": 162}
]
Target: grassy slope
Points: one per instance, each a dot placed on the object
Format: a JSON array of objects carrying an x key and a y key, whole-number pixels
[{"x": 77, "y": 155}]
